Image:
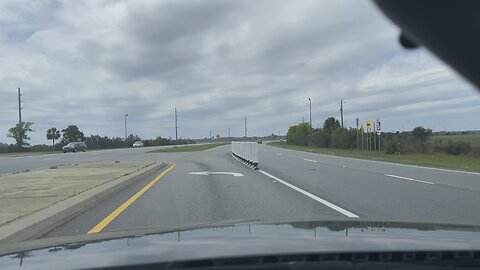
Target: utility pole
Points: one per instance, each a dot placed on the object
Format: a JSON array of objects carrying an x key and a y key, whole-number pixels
[
  {"x": 246, "y": 135},
  {"x": 374, "y": 136},
  {"x": 126, "y": 130},
  {"x": 369, "y": 136},
  {"x": 228, "y": 132},
  {"x": 176, "y": 127},
  {"x": 358, "y": 143},
  {"x": 363, "y": 146},
  {"x": 19, "y": 107},
  {"x": 210, "y": 138},
  {"x": 341, "y": 110},
  {"x": 310, "y": 112}
]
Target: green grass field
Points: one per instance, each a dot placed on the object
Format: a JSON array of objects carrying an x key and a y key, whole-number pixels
[
  {"x": 472, "y": 139},
  {"x": 434, "y": 160},
  {"x": 22, "y": 154},
  {"x": 188, "y": 148}
]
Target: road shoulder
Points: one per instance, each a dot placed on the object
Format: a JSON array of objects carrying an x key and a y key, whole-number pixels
[{"x": 40, "y": 221}]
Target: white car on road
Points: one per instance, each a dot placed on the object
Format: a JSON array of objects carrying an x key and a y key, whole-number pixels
[{"x": 137, "y": 144}]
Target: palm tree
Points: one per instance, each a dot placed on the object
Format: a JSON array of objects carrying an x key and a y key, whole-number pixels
[{"x": 53, "y": 134}]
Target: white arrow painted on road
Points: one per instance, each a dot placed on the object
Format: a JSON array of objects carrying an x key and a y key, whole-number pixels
[{"x": 217, "y": 173}]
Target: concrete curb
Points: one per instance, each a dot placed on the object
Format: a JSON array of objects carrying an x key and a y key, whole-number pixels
[{"x": 41, "y": 222}]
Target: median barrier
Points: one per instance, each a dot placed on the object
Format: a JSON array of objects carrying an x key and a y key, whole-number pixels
[{"x": 247, "y": 152}]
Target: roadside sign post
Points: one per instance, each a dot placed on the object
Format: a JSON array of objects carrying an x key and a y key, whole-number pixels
[
  {"x": 358, "y": 143},
  {"x": 362, "y": 131},
  {"x": 379, "y": 133},
  {"x": 368, "y": 147},
  {"x": 368, "y": 136},
  {"x": 374, "y": 137}
]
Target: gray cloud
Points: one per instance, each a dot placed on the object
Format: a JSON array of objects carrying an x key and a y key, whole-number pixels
[{"x": 90, "y": 62}]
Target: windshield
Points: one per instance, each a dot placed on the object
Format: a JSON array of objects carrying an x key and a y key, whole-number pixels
[{"x": 221, "y": 112}]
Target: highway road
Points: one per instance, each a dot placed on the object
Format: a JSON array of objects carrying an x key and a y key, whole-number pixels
[{"x": 290, "y": 185}]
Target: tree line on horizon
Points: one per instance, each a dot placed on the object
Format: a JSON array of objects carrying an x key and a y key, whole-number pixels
[
  {"x": 72, "y": 133},
  {"x": 332, "y": 135}
]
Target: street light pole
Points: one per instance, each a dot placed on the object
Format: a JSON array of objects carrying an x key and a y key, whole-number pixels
[
  {"x": 341, "y": 110},
  {"x": 246, "y": 128},
  {"x": 126, "y": 130},
  {"x": 176, "y": 127},
  {"x": 310, "y": 100}
]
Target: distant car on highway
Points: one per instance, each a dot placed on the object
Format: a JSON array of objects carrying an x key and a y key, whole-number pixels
[
  {"x": 137, "y": 144},
  {"x": 74, "y": 147},
  {"x": 259, "y": 141}
]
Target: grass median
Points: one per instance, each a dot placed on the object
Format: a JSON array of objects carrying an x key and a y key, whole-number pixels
[
  {"x": 188, "y": 148},
  {"x": 441, "y": 160},
  {"x": 33, "y": 153},
  {"x": 22, "y": 154}
]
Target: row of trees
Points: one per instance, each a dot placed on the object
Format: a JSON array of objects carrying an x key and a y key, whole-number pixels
[
  {"x": 20, "y": 133},
  {"x": 332, "y": 135},
  {"x": 73, "y": 134},
  {"x": 104, "y": 142}
]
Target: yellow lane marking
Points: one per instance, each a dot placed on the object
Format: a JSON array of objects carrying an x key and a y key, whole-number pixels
[{"x": 100, "y": 226}]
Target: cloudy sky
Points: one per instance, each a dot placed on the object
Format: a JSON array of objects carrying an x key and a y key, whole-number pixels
[{"x": 90, "y": 62}]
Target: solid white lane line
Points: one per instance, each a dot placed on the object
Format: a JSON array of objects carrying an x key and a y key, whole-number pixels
[
  {"x": 409, "y": 179},
  {"x": 427, "y": 168},
  {"x": 311, "y": 160},
  {"x": 311, "y": 196}
]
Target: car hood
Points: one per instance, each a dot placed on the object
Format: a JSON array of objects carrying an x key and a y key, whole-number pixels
[{"x": 153, "y": 245}]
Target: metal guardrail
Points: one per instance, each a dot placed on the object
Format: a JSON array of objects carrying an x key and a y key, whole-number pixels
[{"x": 246, "y": 152}]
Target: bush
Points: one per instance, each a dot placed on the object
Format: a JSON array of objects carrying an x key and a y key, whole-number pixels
[
  {"x": 439, "y": 146},
  {"x": 319, "y": 138},
  {"x": 394, "y": 146},
  {"x": 3, "y": 147},
  {"x": 298, "y": 134},
  {"x": 12, "y": 148},
  {"x": 418, "y": 141},
  {"x": 458, "y": 148},
  {"x": 342, "y": 138},
  {"x": 420, "y": 134},
  {"x": 41, "y": 148}
]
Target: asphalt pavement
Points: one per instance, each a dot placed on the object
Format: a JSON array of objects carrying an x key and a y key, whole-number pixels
[{"x": 211, "y": 186}]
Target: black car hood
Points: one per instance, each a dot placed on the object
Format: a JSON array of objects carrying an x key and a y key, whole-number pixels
[{"x": 245, "y": 239}]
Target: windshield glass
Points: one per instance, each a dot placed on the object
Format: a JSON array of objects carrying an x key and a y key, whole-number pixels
[{"x": 239, "y": 111}]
